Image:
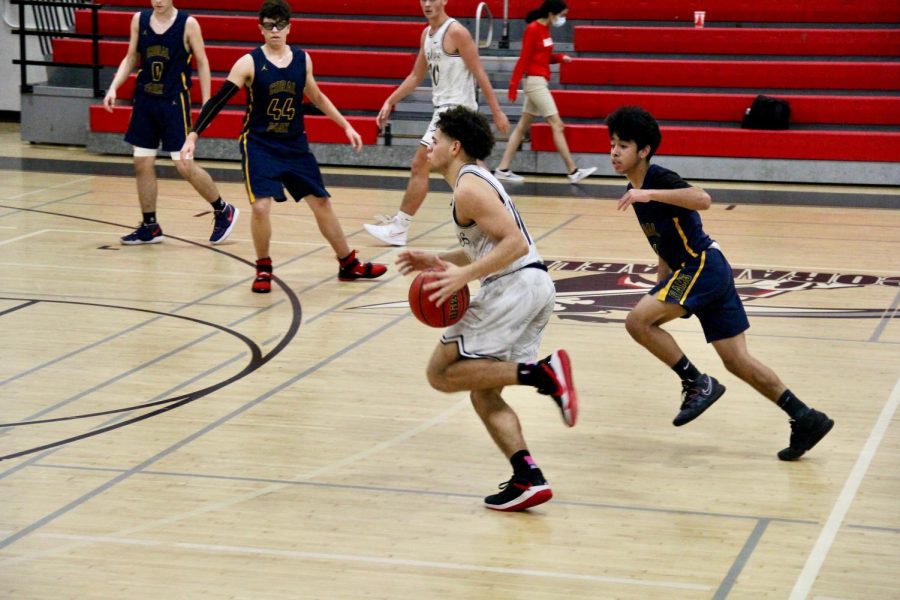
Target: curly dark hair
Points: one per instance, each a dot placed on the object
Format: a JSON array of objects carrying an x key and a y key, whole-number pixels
[
  {"x": 634, "y": 124},
  {"x": 471, "y": 129},
  {"x": 277, "y": 10}
]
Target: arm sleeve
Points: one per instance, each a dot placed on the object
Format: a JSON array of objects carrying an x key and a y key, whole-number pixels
[
  {"x": 556, "y": 58},
  {"x": 215, "y": 104},
  {"x": 524, "y": 58}
]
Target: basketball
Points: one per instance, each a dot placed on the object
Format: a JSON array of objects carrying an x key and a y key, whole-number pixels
[{"x": 450, "y": 312}]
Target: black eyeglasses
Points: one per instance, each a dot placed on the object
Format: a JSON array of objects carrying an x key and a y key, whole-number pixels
[{"x": 270, "y": 25}]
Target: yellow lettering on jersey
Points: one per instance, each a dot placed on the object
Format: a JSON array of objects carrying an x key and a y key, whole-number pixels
[
  {"x": 283, "y": 86},
  {"x": 154, "y": 51}
]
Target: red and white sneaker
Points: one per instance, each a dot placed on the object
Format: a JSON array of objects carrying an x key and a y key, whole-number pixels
[
  {"x": 263, "y": 282},
  {"x": 558, "y": 368},
  {"x": 351, "y": 269},
  {"x": 519, "y": 494}
]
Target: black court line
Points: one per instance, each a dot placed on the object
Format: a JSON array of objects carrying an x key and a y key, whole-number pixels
[
  {"x": 397, "y": 179},
  {"x": 256, "y": 362},
  {"x": 19, "y": 307}
]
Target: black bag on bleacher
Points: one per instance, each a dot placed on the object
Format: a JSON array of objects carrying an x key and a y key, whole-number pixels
[{"x": 767, "y": 113}]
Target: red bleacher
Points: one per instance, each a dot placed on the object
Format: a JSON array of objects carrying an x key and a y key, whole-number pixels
[
  {"x": 716, "y": 107},
  {"x": 738, "y": 40},
  {"x": 761, "y": 74},
  {"x": 229, "y": 122},
  {"x": 823, "y": 86},
  {"x": 348, "y": 96},
  {"x": 318, "y": 32},
  {"x": 337, "y": 63},
  {"x": 740, "y": 143},
  {"x": 717, "y": 11}
]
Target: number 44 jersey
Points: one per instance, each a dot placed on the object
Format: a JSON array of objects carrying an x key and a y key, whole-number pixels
[{"x": 275, "y": 101}]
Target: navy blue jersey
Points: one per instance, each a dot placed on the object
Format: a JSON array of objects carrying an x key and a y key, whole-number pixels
[
  {"x": 165, "y": 69},
  {"x": 275, "y": 101},
  {"x": 675, "y": 233}
]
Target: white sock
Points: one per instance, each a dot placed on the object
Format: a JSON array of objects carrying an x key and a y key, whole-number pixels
[{"x": 403, "y": 218}]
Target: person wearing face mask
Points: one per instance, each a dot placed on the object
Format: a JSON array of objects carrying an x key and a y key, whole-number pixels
[{"x": 534, "y": 65}]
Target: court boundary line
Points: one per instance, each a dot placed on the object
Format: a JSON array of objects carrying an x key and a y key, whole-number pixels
[{"x": 818, "y": 554}]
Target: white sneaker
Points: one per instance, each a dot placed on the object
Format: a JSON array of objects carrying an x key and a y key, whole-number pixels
[
  {"x": 581, "y": 174},
  {"x": 508, "y": 175},
  {"x": 388, "y": 230}
]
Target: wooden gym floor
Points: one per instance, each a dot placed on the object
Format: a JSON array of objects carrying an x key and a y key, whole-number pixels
[{"x": 167, "y": 433}]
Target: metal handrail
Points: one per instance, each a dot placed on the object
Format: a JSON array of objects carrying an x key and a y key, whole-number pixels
[
  {"x": 503, "y": 44},
  {"x": 46, "y": 34},
  {"x": 483, "y": 7}
]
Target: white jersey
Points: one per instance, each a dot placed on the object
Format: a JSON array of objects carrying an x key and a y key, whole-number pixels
[
  {"x": 476, "y": 243},
  {"x": 452, "y": 84}
]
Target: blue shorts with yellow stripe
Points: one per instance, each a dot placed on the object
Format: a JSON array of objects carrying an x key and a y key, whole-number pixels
[
  {"x": 155, "y": 120},
  {"x": 704, "y": 286},
  {"x": 270, "y": 167}
]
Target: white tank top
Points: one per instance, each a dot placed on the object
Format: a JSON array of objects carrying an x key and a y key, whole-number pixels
[
  {"x": 452, "y": 84},
  {"x": 476, "y": 243}
]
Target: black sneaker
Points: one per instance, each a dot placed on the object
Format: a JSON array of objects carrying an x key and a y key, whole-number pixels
[
  {"x": 518, "y": 494},
  {"x": 806, "y": 433},
  {"x": 696, "y": 397},
  {"x": 223, "y": 222},
  {"x": 144, "y": 234},
  {"x": 560, "y": 386}
]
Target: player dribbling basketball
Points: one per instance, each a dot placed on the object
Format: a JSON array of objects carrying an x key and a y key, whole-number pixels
[{"x": 498, "y": 337}]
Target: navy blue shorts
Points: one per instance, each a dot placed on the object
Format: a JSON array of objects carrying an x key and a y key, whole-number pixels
[
  {"x": 269, "y": 169},
  {"x": 155, "y": 120},
  {"x": 704, "y": 286}
]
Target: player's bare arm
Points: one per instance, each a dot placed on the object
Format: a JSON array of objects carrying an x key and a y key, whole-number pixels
[
  {"x": 476, "y": 200},
  {"x": 323, "y": 103},
  {"x": 692, "y": 198},
  {"x": 194, "y": 42},
  {"x": 408, "y": 86},
  {"x": 461, "y": 42},
  {"x": 127, "y": 65},
  {"x": 241, "y": 75}
]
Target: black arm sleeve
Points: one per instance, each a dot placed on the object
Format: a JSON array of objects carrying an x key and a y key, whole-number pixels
[{"x": 215, "y": 104}]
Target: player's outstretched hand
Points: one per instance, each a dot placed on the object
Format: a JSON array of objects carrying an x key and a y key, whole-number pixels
[
  {"x": 109, "y": 100},
  {"x": 632, "y": 196},
  {"x": 190, "y": 145},
  {"x": 355, "y": 139},
  {"x": 384, "y": 114},
  {"x": 417, "y": 260}
]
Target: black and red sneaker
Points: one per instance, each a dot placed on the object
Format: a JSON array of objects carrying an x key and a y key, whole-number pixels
[
  {"x": 519, "y": 493},
  {"x": 263, "y": 282},
  {"x": 351, "y": 269}
]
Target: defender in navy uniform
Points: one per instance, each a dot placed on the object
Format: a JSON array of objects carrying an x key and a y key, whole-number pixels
[
  {"x": 163, "y": 41},
  {"x": 274, "y": 146},
  {"x": 694, "y": 279}
]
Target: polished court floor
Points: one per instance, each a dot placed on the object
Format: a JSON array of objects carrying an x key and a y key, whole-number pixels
[{"x": 167, "y": 433}]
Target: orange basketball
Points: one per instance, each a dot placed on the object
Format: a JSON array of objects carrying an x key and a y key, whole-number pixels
[{"x": 451, "y": 311}]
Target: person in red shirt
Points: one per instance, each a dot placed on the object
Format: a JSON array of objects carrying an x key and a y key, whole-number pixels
[{"x": 534, "y": 64}]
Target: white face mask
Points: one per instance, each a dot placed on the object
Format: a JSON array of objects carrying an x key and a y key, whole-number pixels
[{"x": 560, "y": 21}]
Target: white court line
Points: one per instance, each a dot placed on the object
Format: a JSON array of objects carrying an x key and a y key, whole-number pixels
[
  {"x": 826, "y": 538},
  {"x": 194, "y": 276},
  {"x": 22, "y": 237},
  {"x": 50, "y": 187},
  {"x": 378, "y": 560},
  {"x": 271, "y": 488},
  {"x": 454, "y": 566},
  {"x": 43, "y": 231}
]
